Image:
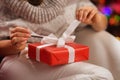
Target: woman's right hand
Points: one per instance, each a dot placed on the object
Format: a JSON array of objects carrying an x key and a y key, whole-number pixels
[{"x": 19, "y": 37}]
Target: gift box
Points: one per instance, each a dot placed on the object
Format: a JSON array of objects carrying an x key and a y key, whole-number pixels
[{"x": 52, "y": 55}]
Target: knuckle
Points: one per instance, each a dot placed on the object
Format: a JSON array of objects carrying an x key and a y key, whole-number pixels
[{"x": 16, "y": 34}]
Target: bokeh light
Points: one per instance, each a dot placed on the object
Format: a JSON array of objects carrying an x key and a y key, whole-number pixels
[{"x": 110, "y": 8}]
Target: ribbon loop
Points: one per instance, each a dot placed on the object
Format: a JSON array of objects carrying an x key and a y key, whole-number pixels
[
  {"x": 65, "y": 38},
  {"x": 60, "y": 42}
]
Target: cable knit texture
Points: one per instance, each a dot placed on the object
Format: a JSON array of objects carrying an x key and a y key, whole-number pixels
[
  {"x": 51, "y": 16},
  {"x": 47, "y": 11}
]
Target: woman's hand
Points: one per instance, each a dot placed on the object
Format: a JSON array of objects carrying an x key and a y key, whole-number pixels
[
  {"x": 86, "y": 14},
  {"x": 19, "y": 37},
  {"x": 91, "y": 16}
]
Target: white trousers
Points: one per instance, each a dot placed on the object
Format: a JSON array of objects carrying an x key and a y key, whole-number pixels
[
  {"x": 21, "y": 68},
  {"x": 104, "y": 49}
]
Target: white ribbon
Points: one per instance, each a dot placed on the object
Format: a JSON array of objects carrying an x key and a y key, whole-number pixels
[
  {"x": 65, "y": 38},
  {"x": 60, "y": 42},
  {"x": 38, "y": 50},
  {"x": 71, "y": 52}
]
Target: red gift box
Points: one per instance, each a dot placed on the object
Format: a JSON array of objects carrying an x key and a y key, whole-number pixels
[{"x": 53, "y": 55}]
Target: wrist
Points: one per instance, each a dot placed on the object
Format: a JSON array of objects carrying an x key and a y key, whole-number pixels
[
  {"x": 14, "y": 47},
  {"x": 7, "y": 48},
  {"x": 99, "y": 22}
]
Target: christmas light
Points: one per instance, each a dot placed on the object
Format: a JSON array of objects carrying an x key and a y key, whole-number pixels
[{"x": 107, "y": 11}]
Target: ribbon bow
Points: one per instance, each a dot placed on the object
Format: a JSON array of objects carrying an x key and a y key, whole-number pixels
[{"x": 65, "y": 38}]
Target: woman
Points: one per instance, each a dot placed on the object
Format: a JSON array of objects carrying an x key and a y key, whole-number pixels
[{"x": 49, "y": 16}]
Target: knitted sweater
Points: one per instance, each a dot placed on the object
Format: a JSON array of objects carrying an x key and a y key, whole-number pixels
[{"x": 51, "y": 16}]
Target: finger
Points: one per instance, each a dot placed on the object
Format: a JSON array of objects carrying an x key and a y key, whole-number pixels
[
  {"x": 19, "y": 34},
  {"x": 21, "y": 43},
  {"x": 20, "y": 29},
  {"x": 24, "y": 42},
  {"x": 91, "y": 15},
  {"x": 20, "y": 46},
  {"x": 16, "y": 40},
  {"x": 85, "y": 14},
  {"x": 80, "y": 14},
  {"x": 77, "y": 14}
]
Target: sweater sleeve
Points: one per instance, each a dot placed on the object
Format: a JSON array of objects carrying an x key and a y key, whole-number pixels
[
  {"x": 5, "y": 15},
  {"x": 3, "y": 30}
]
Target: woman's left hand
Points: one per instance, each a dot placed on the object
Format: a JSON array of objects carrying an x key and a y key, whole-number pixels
[{"x": 86, "y": 14}]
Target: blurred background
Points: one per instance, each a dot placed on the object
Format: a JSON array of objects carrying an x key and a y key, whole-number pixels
[{"x": 111, "y": 8}]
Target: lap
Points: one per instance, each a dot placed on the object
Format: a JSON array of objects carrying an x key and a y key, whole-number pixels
[
  {"x": 22, "y": 68},
  {"x": 104, "y": 49}
]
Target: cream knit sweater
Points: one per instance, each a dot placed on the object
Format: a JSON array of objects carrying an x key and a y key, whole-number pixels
[{"x": 52, "y": 16}]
